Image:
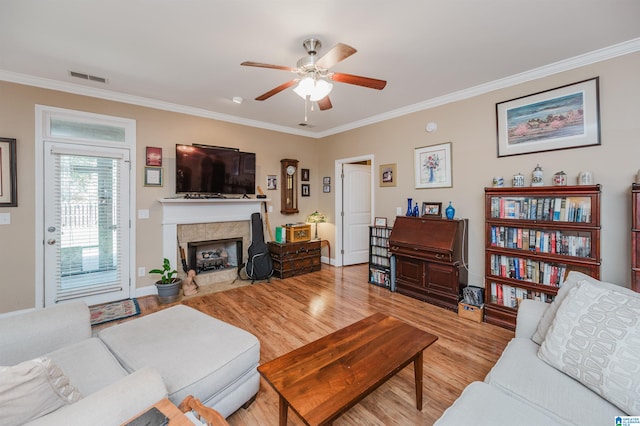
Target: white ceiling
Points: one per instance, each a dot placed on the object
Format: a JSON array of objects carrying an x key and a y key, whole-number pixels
[{"x": 185, "y": 55}]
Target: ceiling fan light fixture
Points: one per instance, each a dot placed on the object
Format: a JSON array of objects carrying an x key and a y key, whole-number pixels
[{"x": 315, "y": 89}]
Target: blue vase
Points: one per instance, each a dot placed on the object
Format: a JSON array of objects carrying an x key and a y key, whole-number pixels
[
  {"x": 450, "y": 211},
  {"x": 409, "y": 207},
  {"x": 416, "y": 210}
]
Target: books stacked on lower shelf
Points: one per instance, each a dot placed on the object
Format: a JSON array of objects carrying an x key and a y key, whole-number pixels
[
  {"x": 534, "y": 271},
  {"x": 510, "y": 296}
]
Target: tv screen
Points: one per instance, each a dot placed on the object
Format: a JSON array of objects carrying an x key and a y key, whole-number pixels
[{"x": 204, "y": 169}]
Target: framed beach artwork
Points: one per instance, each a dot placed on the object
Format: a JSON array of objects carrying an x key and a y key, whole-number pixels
[
  {"x": 561, "y": 118},
  {"x": 432, "y": 166}
]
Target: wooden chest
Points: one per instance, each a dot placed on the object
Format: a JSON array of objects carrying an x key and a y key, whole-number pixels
[
  {"x": 298, "y": 233},
  {"x": 291, "y": 259}
]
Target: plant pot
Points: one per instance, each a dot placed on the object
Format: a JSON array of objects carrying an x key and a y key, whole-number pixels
[{"x": 168, "y": 293}]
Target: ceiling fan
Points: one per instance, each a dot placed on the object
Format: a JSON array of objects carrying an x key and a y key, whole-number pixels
[{"x": 314, "y": 75}]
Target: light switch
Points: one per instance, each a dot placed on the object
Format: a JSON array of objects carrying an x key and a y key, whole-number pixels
[
  {"x": 5, "y": 218},
  {"x": 143, "y": 214},
  {"x": 398, "y": 211}
]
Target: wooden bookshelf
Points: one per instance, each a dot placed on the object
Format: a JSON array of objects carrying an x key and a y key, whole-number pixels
[
  {"x": 379, "y": 256},
  {"x": 635, "y": 237},
  {"x": 533, "y": 237}
]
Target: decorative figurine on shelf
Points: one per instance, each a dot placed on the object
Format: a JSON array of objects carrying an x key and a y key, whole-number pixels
[
  {"x": 537, "y": 177},
  {"x": 450, "y": 211},
  {"x": 560, "y": 179},
  {"x": 416, "y": 210},
  {"x": 189, "y": 286},
  {"x": 518, "y": 180},
  {"x": 409, "y": 207}
]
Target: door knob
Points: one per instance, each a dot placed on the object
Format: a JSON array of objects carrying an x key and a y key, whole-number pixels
[{"x": 51, "y": 241}]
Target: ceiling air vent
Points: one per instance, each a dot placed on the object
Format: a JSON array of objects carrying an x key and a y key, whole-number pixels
[
  {"x": 88, "y": 77},
  {"x": 306, "y": 125}
]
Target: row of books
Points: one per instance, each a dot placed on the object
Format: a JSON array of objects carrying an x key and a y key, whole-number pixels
[
  {"x": 379, "y": 251},
  {"x": 559, "y": 209},
  {"x": 380, "y": 232},
  {"x": 379, "y": 277},
  {"x": 569, "y": 244},
  {"x": 534, "y": 271},
  {"x": 509, "y": 296},
  {"x": 380, "y": 241},
  {"x": 381, "y": 261}
]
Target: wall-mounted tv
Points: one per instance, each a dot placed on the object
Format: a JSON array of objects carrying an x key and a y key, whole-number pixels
[{"x": 209, "y": 170}]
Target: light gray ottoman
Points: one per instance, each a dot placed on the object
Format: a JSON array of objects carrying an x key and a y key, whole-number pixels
[{"x": 196, "y": 355}]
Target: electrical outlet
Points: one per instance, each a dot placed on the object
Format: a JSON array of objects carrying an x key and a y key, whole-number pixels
[
  {"x": 5, "y": 218},
  {"x": 141, "y": 271},
  {"x": 143, "y": 214},
  {"x": 270, "y": 209}
]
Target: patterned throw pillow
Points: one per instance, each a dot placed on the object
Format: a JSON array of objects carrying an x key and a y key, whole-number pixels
[
  {"x": 32, "y": 389},
  {"x": 595, "y": 338}
]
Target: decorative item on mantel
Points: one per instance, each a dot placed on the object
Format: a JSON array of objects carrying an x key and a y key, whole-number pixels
[
  {"x": 518, "y": 180},
  {"x": 537, "y": 178},
  {"x": 409, "y": 207},
  {"x": 416, "y": 210},
  {"x": 585, "y": 178},
  {"x": 560, "y": 179},
  {"x": 316, "y": 217},
  {"x": 450, "y": 211}
]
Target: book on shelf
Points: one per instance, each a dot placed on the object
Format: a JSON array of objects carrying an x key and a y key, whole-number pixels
[{"x": 551, "y": 209}]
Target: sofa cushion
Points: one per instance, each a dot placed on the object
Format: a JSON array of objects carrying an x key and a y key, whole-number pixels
[
  {"x": 520, "y": 373},
  {"x": 32, "y": 389},
  {"x": 195, "y": 353},
  {"x": 572, "y": 280},
  {"x": 483, "y": 405},
  {"x": 89, "y": 365},
  {"x": 595, "y": 338}
]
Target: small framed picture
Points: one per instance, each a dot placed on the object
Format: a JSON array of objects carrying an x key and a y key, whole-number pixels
[
  {"x": 432, "y": 209},
  {"x": 272, "y": 182},
  {"x": 380, "y": 222},
  {"x": 154, "y": 156},
  {"x": 388, "y": 175},
  {"x": 153, "y": 176},
  {"x": 8, "y": 173},
  {"x": 306, "y": 190},
  {"x": 326, "y": 180},
  {"x": 326, "y": 188},
  {"x": 304, "y": 175}
]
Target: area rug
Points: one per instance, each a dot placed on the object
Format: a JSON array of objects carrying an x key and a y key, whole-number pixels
[{"x": 114, "y": 311}]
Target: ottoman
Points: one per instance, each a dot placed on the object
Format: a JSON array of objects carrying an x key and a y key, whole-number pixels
[{"x": 196, "y": 355}]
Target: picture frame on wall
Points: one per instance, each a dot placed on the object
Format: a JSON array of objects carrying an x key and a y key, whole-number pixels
[
  {"x": 432, "y": 166},
  {"x": 8, "y": 173},
  {"x": 153, "y": 176},
  {"x": 326, "y": 180},
  {"x": 380, "y": 222},
  {"x": 272, "y": 182},
  {"x": 561, "y": 118},
  {"x": 304, "y": 175},
  {"x": 432, "y": 209},
  {"x": 388, "y": 175},
  {"x": 154, "y": 156},
  {"x": 306, "y": 190},
  {"x": 326, "y": 188}
]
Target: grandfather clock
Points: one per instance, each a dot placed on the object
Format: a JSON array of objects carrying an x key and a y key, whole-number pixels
[{"x": 289, "y": 186}]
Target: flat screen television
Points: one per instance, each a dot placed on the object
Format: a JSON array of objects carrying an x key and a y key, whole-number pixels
[{"x": 209, "y": 170}]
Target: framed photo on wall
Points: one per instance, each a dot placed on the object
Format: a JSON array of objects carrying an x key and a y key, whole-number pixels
[
  {"x": 304, "y": 175},
  {"x": 432, "y": 166},
  {"x": 306, "y": 190},
  {"x": 154, "y": 156},
  {"x": 153, "y": 176},
  {"x": 560, "y": 118},
  {"x": 8, "y": 173},
  {"x": 388, "y": 174}
]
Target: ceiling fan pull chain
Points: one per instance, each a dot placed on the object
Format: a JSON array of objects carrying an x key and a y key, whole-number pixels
[{"x": 306, "y": 108}]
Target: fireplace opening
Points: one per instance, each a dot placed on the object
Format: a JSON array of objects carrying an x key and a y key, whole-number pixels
[{"x": 214, "y": 255}]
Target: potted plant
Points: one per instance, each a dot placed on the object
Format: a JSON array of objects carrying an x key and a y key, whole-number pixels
[{"x": 168, "y": 286}]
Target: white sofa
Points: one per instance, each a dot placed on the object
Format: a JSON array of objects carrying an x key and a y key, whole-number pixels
[
  {"x": 130, "y": 366},
  {"x": 523, "y": 388}
]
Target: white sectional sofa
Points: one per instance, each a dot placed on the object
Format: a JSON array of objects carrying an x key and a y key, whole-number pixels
[
  {"x": 128, "y": 367},
  {"x": 573, "y": 362}
]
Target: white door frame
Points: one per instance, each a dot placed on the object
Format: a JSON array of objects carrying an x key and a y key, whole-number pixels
[
  {"x": 339, "y": 243},
  {"x": 42, "y": 114}
]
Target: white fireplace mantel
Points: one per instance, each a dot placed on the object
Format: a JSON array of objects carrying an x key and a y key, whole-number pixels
[{"x": 181, "y": 211}]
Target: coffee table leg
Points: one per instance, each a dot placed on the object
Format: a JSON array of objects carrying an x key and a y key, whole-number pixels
[
  {"x": 417, "y": 368},
  {"x": 284, "y": 409}
]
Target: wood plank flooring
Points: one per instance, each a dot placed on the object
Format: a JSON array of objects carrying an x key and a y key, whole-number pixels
[{"x": 286, "y": 314}]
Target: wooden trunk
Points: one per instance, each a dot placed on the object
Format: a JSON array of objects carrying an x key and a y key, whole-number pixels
[
  {"x": 291, "y": 259},
  {"x": 430, "y": 254}
]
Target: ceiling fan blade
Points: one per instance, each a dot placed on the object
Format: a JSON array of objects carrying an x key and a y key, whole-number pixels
[
  {"x": 338, "y": 53},
  {"x": 277, "y": 90},
  {"x": 261, "y": 65},
  {"x": 325, "y": 103},
  {"x": 371, "y": 83}
]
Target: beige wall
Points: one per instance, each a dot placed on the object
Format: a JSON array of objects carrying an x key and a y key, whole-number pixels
[{"x": 468, "y": 124}]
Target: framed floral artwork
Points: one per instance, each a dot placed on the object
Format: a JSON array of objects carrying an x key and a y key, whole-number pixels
[
  {"x": 561, "y": 118},
  {"x": 432, "y": 166}
]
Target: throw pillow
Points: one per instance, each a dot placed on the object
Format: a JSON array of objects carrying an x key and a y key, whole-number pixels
[
  {"x": 595, "y": 339},
  {"x": 32, "y": 389},
  {"x": 570, "y": 282}
]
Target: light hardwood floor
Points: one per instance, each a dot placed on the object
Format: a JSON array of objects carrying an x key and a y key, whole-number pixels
[{"x": 286, "y": 314}]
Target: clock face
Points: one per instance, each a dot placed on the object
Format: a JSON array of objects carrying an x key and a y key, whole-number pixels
[{"x": 291, "y": 170}]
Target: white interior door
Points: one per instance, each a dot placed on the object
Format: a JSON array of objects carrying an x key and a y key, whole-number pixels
[
  {"x": 356, "y": 192},
  {"x": 86, "y": 223}
]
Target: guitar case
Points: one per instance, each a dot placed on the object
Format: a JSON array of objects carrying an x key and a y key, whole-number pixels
[{"x": 259, "y": 265}]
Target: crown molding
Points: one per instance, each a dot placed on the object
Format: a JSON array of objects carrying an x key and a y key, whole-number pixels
[{"x": 606, "y": 53}]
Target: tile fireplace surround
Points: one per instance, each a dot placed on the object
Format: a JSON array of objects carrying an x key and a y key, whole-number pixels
[{"x": 206, "y": 219}]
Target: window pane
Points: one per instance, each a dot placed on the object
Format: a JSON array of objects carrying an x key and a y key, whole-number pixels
[{"x": 75, "y": 129}]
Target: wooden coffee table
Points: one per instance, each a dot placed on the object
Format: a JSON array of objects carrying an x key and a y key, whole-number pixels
[{"x": 322, "y": 380}]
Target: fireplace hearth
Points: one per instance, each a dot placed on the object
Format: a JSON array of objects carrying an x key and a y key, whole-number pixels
[{"x": 214, "y": 255}]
